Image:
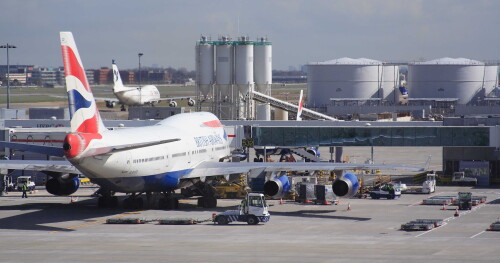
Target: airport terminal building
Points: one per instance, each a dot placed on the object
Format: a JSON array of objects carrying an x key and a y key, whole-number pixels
[{"x": 469, "y": 144}]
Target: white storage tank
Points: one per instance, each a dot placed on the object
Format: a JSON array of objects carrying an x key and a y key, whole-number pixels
[
  {"x": 490, "y": 78},
  {"x": 263, "y": 112},
  {"x": 460, "y": 78},
  {"x": 224, "y": 65},
  {"x": 344, "y": 78},
  {"x": 243, "y": 64},
  {"x": 390, "y": 83},
  {"x": 205, "y": 65},
  {"x": 262, "y": 65}
]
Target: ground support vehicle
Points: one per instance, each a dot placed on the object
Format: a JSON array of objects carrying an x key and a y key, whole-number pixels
[
  {"x": 427, "y": 187},
  {"x": 464, "y": 200},
  {"x": 253, "y": 209},
  {"x": 460, "y": 179},
  {"x": 21, "y": 180},
  {"x": 386, "y": 191},
  {"x": 422, "y": 224},
  {"x": 495, "y": 226},
  {"x": 476, "y": 200},
  {"x": 439, "y": 200}
]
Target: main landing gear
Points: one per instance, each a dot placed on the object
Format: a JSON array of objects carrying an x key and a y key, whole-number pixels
[
  {"x": 107, "y": 199},
  {"x": 134, "y": 201},
  {"x": 169, "y": 201}
]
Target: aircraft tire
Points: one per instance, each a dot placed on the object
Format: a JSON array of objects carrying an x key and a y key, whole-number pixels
[
  {"x": 138, "y": 203},
  {"x": 210, "y": 202}
]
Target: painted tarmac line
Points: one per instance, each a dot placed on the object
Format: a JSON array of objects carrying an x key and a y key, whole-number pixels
[
  {"x": 444, "y": 224},
  {"x": 96, "y": 222},
  {"x": 477, "y": 234}
]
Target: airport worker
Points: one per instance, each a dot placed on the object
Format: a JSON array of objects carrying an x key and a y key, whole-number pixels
[{"x": 24, "y": 188}]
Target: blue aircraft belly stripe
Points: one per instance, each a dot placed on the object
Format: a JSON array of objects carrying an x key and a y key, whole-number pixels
[{"x": 150, "y": 183}]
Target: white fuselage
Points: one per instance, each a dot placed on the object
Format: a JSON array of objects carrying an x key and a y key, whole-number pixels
[
  {"x": 134, "y": 96},
  {"x": 158, "y": 167}
]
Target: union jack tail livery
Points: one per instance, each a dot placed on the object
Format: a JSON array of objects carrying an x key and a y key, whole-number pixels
[
  {"x": 301, "y": 104},
  {"x": 85, "y": 116}
]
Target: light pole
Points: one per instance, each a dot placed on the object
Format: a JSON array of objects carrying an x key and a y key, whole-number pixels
[
  {"x": 140, "y": 55},
  {"x": 8, "y": 73}
]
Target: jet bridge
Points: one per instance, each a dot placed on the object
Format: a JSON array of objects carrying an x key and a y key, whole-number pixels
[{"x": 289, "y": 106}]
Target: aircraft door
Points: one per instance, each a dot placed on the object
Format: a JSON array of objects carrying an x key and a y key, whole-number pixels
[{"x": 128, "y": 160}]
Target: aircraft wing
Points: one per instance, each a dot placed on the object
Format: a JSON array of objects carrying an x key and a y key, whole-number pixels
[
  {"x": 107, "y": 99},
  {"x": 96, "y": 98},
  {"x": 43, "y": 149},
  {"x": 223, "y": 168},
  {"x": 39, "y": 165},
  {"x": 176, "y": 98}
]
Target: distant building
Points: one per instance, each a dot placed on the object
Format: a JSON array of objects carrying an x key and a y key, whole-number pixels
[
  {"x": 19, "y": 74},
  {"x": 18, "y": 78},
  {"x": 103, "y": 75},
  {"x": 90, "y": 76},
  {"x": 47, "y": 77}
]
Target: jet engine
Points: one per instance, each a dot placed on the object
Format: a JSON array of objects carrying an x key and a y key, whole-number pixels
[
  {"x": 314, "y": 151},
  {"x": 63, "y": 185},
  {"x": 191, "y": 102},
  {"x": 172, "y": 104},
  {"x": 277, "y": 186},
  {"x": 346, "y": 186},
  {"x": 110, "y": 104}
]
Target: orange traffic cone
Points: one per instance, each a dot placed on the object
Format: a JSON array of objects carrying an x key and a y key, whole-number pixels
[
  {"x": 348, "y": 206},
  {"x": 281, "y": 201},
  {"x": 456, "y": 212},
  {"x": 444, "y": 206}
]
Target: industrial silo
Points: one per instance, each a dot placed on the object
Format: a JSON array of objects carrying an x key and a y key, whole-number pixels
[
  {"x": 204, "y": 65},
  {"x": 490, "y": 78},
  {"x": 262, "y": 66},
  {"x": 243, "y": 64},
  {"x": 344, "y": 78},
  {"x": 389, "y": 87},
  {"x": 450, "y": 78},
  {"x": 224, "y": 66}
]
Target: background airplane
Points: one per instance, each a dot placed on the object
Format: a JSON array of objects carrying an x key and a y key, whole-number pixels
[
  {"x": 137, "y": 96},
  {"x": 187, "y": 151}
]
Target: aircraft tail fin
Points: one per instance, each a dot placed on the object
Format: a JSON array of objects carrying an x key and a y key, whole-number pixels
[
  {"x": 301, "y": 104},
  {"x": 85, "y": 117},
  {"x": 117, "y": 80}
]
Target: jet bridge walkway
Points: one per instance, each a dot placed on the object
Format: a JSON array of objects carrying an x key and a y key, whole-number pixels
[{"x": 289, "y": 106}]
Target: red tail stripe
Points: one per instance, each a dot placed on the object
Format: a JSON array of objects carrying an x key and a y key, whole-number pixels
[
  {"x": 213, "y": 124},
  {"x": 72, "y": 67},
  {"x": 89, "y": 125}
]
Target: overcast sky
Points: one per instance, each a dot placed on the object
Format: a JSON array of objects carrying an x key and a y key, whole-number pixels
[{"x": 301, "y": 31}]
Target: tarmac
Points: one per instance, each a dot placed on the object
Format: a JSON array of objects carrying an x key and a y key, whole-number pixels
[{"x": 46, "y": 228}]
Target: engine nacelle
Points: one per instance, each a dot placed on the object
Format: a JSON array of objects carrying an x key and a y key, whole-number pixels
[
  {"x": 277, "y": 187},
  {"x": 62, "y": 187},
  {"x": 191, "y": 102},
  {"x": 172, "y": 104},
  {"x": 346, "y": 186},
  {"x": 314, "y": 151},
  {"x": 110, "y": 104}
]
